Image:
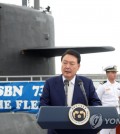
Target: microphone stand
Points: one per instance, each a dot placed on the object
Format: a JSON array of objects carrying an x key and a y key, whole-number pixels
[
  {"x": 83, "y": 91},
  {"x": 66, "y": 84}
]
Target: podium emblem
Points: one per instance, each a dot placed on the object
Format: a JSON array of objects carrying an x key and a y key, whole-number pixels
[{"x": 79, "y": 114}]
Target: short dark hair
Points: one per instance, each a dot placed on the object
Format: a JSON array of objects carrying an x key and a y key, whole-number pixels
[{"x": 74, "y": 53}]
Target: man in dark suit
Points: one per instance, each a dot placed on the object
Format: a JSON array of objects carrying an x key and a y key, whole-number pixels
[{"x": 54, "y": 91}]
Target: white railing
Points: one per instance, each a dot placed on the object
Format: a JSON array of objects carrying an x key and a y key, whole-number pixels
[{"x": 94, "y": 77}]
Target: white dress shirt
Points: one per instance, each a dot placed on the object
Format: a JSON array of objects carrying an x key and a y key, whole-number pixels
[{"x": 70, "y": 90}]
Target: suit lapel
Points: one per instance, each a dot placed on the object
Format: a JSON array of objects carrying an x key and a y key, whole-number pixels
[
  {"x": 77, "y": 94},
  {"x": 60, "y": 89}
]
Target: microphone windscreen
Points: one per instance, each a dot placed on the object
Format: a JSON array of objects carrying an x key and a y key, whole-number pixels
[
  {"x": 80, "y": 82},
  {"x": 66, "y": 82}
]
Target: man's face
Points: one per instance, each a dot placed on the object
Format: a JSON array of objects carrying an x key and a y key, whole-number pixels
[
  {"x": 69, "y": 66},
  {"x": 112, "y": 75}
]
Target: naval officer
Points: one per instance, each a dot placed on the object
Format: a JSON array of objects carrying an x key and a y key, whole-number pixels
[{"x": 109, "y": 92}]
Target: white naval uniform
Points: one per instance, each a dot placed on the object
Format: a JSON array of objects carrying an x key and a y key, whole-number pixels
[{"x": 109, "y": 95}]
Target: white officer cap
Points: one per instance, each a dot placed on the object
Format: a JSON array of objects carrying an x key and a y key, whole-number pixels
[{"x": 111, "y": 68}]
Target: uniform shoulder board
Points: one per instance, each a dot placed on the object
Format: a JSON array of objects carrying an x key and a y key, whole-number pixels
[
  {"x": 118, "y": 88},
  {"x": 103, "y": 82}
]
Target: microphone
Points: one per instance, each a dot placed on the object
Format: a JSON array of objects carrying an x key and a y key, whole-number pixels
[
  {"x": 66, "y": 84},
  {"x": 83, "y": 90}
]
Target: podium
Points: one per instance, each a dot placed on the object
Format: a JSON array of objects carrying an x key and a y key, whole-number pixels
[{"x": 56, "y": 117}]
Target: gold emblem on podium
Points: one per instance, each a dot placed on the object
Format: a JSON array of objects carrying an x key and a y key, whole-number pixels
[{"x": 79, "y": 114}]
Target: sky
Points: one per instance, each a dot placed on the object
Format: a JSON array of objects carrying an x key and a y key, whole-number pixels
[{"x": 85, "y": 23}]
